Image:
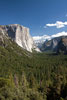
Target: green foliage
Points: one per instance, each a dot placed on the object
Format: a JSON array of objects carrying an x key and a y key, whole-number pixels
[
  {"x": 4, "y": 82},
  {"x": 31, "y": 76}
]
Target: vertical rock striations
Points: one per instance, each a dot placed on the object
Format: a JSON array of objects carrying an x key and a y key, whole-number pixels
[
  {"x": 23, "y": 38},
  {"x": 20, "y": 35}
]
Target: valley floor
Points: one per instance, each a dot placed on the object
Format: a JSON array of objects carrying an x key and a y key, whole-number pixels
[{"x": 27, "y": 76}]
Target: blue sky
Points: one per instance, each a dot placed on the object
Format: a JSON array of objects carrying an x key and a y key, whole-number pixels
[{"x": 35, "y": 14}]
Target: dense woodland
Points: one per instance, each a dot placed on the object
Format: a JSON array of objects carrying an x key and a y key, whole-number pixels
[{"x": 32, "y": 76}]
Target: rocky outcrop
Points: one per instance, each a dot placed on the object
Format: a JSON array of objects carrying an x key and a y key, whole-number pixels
[
  {"x": 58, "y": 44},
  {"x": 62, "y": 45},
  {"x": 20, "y": 35},
  {"x": 50, "y": 45}
]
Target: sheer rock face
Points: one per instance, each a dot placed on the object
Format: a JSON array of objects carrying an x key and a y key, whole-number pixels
[
  {"x": 56, "y": 44},
  {"x": 21, "y": 36}
]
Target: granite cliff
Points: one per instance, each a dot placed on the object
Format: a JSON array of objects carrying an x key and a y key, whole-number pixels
[{"x": 20, "y": 35}]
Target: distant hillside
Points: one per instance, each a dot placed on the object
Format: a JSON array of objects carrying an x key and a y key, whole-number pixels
[
  {"x": 39, "y": 40},
  {"x": 55, "y": 44}
]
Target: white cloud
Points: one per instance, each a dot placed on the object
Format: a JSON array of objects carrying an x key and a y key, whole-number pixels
[
  {"x": 40, "y": 39},
  {"x": 58, "y": 24},
  {"x": 59, "y": 34}
]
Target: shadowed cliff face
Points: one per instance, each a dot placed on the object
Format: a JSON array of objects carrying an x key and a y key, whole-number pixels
[
  {"x": 20, "y": 34},
  {"x": 58, "y": 44},
  {"x": 62, "y": 45}
]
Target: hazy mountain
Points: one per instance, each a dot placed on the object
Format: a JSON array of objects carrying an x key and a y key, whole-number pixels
[
  {"x": 39, "y": 40},
  {"x": 49, "y": 43},
  {"x": 58, "y": 44}
]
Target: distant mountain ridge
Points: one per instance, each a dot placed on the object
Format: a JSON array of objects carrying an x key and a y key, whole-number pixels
[
  {"x": 42, "y": 39},
  {"x": 58, "y": 44},
  {"x": 55, "y": 43}
]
